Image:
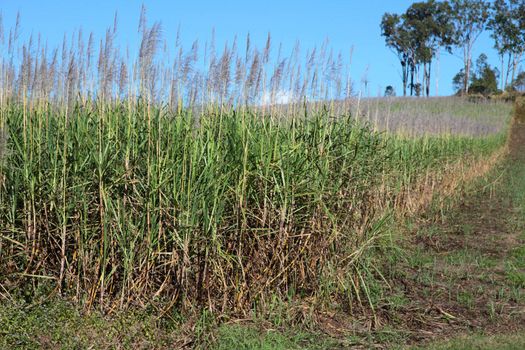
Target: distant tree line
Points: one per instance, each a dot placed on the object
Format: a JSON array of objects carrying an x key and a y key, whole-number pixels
[{"x": 419, "y": 34}]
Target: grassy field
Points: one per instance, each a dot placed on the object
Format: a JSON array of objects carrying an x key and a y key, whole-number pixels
[{"x": 437, "y": 115}]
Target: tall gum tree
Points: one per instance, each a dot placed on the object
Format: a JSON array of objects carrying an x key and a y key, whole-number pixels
[
  {"x": 507, "y": 26},
  {"x": 416, "y": 37},
  {"x": 469, "y": 18},
  {"x": 397, "y": 38},
  {"x": 430, "y": 24}
]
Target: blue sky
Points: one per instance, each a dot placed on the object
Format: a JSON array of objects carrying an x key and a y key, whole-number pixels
[{"x": 346, "y": 23}]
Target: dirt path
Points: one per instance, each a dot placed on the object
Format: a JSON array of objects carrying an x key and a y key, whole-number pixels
[{"x": 467, "y": 271}]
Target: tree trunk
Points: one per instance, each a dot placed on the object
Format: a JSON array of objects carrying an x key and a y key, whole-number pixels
[
  {"x": 515, "y": 62},
  {"x": 411, "y": 81},
  {"x": 438, "y": 53},
  {"x": 467, "y": 61},
  {"x": 428, "y": 77},
  {"x": 412, "y": 72},
  {"x": 503, "y": 81},
  {"x": 507, "y": 73},
  {"x": 404, "y": 77}
]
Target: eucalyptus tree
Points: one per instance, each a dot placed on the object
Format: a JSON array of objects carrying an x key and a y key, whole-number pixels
[
  {"x": 469, "y": 19},
  {"x": 430, "y": 25},
  {"x": 507, "y": 24},
  {"x": 398, "y": 39},
  {"x": 416, "y": 36}
]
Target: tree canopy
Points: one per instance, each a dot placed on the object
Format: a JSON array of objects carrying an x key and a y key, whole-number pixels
[
  {"x": 507, "y": 25},
  {"x": 417, "y": 36}
]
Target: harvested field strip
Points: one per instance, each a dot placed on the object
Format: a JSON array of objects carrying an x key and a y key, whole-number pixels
[{"x": 467, "y": 272}]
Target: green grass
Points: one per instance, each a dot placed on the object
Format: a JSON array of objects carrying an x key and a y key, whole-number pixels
[
  {"x": 515, "y": 191},
  {"x": 59, "y": 325},
  {"x": 242, "y": 337},
  {"x": 479, "y": 341}
]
